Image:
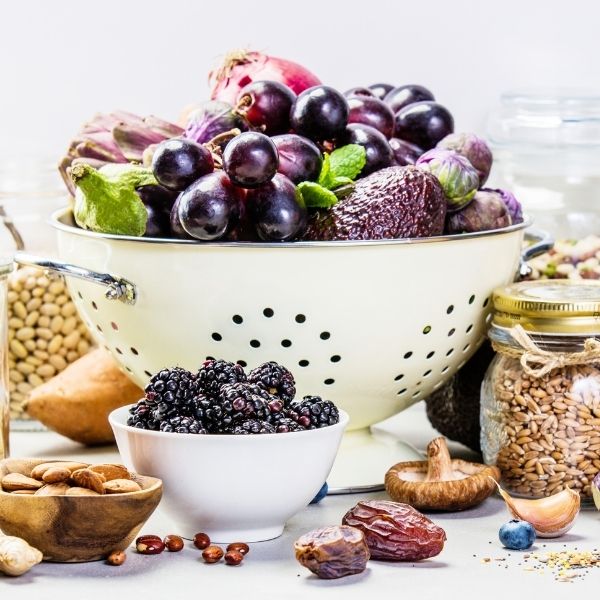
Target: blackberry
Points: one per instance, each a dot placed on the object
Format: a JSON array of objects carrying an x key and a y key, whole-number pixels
[
  {"x": 276, "y": 379},
  {"x": 171, "y": 389},
  {"x": 285, "y": 424},
  {"x": 216, "y": 415},
  {"x": 314, "y": 412},
  {"x": 183, "y": 425},
  {"x": 252, "y": 426},
  {"x": 247, "y": 401},
  {"x": 142, "y": 416},
  {"x": 215, "y": 373}
]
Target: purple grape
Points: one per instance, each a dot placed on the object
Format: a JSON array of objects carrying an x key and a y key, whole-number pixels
[
  {"x": 266, "y": 105},
  {"x": 319, "y": 113},
  {"x": 177, "y": 231},
  {"x": 358, "y": 91},
  {"x": 423, "y": 124},
  {"x": 299, "y": 158},
  {"x": 157, "y": 196},
  {"x": 379, "y": 153},
  {"x": 380, "y": 90},
  {"x": 210, "y": 207},
  {"x": 250, "y": 159},
  {"x": 158, "y": 224},
  {"x": 407, "y": 94},
  {"x": 371, "y": 111},
  {"x": 277, "y": 210},
  {"x": 177, "y": 163},
  {"x": 405, "y": 153}
]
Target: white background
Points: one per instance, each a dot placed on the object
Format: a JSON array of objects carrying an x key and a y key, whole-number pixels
[{"x": 63, "y": 60}]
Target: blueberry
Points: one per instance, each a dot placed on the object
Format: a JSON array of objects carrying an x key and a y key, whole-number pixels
[
  {"x": 517, "y": 535},
  {"x": 320, "y": 494}
]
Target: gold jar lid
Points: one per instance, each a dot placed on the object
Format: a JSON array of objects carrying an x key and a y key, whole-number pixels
[{"x": 560, "y": 306}]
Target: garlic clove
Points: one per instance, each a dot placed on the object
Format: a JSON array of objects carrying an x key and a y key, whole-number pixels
[
  {"x": 17, "y": 556},
  {"x": 596, "y": 491},
  {"x": 551, "y": 517}
]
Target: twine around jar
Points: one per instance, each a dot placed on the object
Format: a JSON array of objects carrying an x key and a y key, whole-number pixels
[{"x": 529, "y": 354}]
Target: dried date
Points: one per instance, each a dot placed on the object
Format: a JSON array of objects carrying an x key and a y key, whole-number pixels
[
  {"x": 396, "y": 531},
  {"x": 333, "y": 552}
]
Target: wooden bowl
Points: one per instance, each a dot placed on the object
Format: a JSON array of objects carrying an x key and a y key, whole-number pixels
[{"x": 76, "y": 528}]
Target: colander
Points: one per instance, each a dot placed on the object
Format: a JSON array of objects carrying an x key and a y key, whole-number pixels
[{"x": 374, "y": 326}]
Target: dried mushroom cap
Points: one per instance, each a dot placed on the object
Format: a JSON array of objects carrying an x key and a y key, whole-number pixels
[{"x": 441, "y": 483}]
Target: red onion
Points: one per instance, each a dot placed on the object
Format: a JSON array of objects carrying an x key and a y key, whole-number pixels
[{"x": 241, "y": 68}]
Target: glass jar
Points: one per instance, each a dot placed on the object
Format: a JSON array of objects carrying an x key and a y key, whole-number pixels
[
  {"x": 546, "y": 146},
  {"x": 540, "y": 399},
  {"x": 5, "y": 268}
]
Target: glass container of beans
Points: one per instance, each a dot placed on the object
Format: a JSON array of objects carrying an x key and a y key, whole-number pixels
[
  {"x": 540, "y": 400},
  {"x": 5, "y": 268}
]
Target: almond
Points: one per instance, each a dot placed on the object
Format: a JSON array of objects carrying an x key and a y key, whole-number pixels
[
  {"x": 89, "y": 479},
  {"x": 121, "y": 486},
  {"x": 38, "y": 472},
  {"x": 79, "y": 491},
  {"x": 24, "y": 492},
  {"x": 56, "y": 475},
  {"x": 111, "y": 472},
  {"x": 16, "y": 481},
  {"x": 53, "y": 489}
]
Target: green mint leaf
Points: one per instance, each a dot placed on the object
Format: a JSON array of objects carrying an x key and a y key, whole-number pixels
[
  {"x": 316, "y": 196},
  {"x": 347, "y": 161},
  {"x": 325, "y": 174},
  {"x": 339, "y": 182}
]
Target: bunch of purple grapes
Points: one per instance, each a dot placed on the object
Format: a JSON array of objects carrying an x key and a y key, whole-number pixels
[{"x": 244, "y": 187}]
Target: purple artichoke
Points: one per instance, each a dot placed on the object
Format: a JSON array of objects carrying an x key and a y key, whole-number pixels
[
  {"x": 212, "y": 119},
  {"x": 486, "y": 211},
  {"x": 455, "y": 173},
  {"x": 512, "y": 204},
  {"x": 473, "y": 148}
]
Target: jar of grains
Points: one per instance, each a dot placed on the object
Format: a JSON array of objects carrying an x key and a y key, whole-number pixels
[{"x": 540, "y": 399}]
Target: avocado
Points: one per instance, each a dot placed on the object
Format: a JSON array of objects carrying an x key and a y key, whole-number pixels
[
  {"x": 396, "y": 202},
  {"x": 454, "y": 409}
]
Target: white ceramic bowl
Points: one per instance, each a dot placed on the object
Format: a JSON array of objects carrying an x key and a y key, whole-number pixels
[{"x": 233, "y": 487}]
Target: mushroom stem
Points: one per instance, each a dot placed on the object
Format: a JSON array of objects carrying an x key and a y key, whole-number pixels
[{"x": 439, "y": 464}]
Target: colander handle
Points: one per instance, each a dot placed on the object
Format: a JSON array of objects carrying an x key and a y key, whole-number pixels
[
  {"x": 117, "y": 288},
  {"x": 541, "y": 241}
]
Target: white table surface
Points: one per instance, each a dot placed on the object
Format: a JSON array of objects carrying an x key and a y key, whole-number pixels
[{"x": 271, "y": 571}]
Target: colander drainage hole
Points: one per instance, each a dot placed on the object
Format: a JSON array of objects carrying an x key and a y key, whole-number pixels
[
  {"x": 427, "y": 373},
  {"x": 451, "y": 332},
  {"x": 472, "y": 299},
  {"x": 430, "y": 354},
  {"x": 94, "y": 305},
  {"x": 450, "y": 352},
  {"x": 286, "y": 343},
  {"x": 210, "y": 358},
  {"x": 325, "y": 335},
  {"x": 80, "y": 296},
  {"x": 408, "y": 355},
  {"x": 99, "y": 328},
  {"x": 148, "y": 373},
  {"x": 114, "y": 326},
  {"x": 418, "y": 383},
  {"x": 450, "y": 309},
  {"x": 303, "y": 363},
  {"x": 469, "y": 328},
  {"x": 329, "y": 381},
  {"x": 335, "y": 358},
  {"x": 300, "y": 319},
  {"x": 237, "y": 319},
  {"x": 128, "y": 370},
  {"x": 268, "y": 312},
  {"x": 445, "y": 369},
  {"x": 466, "y": 347},
  {"x": 426, "y": 329},
  {"x": 242, "y": 363},
  {"x": 216, "y": 336},
  {"x": 399, "y": 377},
  {"x": 134, "y": 351},
  {"x": 486, "y": 302},
  {"x": 416, "y": 394},
  {"x": 402, "y": 391},
  {"x": 118, "y": 350},
  {"x": 255, "y": 343}
]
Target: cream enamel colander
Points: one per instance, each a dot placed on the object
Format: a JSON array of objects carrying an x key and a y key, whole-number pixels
[{"x": 374, "y": 326}]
